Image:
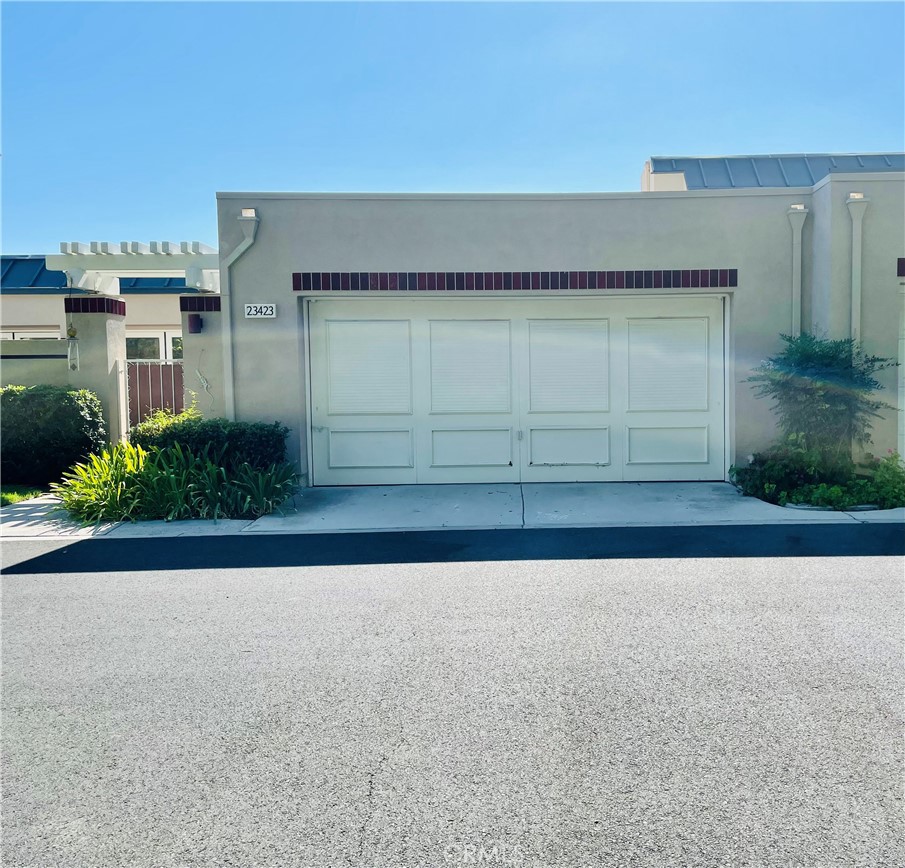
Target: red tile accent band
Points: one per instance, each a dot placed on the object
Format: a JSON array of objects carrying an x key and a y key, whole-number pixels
[
  {"x": 199, "y": 303},
  {"x": 448, "y": 281},
  {"x": 95, "y": 304}
]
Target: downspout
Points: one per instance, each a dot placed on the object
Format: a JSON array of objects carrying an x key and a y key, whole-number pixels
[
  {"x": 797, "y": 214},
  {"x": 857, "y": 205},
  {"x": 901, "y": 438},
  {"x": 248, "y": 220}
]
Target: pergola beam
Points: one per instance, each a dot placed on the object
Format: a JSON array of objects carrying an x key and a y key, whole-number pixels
[{"x": 96, "y": 265}]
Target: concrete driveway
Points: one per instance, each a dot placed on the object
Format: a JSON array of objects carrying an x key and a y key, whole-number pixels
[{"x": 541, "y": 713}]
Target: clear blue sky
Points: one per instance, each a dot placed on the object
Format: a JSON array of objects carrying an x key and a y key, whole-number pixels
[{"x": 122, "y": 120}]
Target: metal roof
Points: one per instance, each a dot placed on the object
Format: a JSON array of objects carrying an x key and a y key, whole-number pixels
[
  {"x": 152, "y": 284},
  {"x": 29, "y": 275},
  {"x": 29, "y": 272},
  {"x": 772, "y": 170}
]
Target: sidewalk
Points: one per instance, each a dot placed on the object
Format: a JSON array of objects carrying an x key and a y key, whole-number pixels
[{"x": 462, "y": 507}]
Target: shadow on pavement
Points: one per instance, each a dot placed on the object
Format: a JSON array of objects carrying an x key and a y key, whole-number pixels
[{"x": 258, "y": 550}]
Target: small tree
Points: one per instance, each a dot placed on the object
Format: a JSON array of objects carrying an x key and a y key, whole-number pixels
[{"x": 823, "y": 389}]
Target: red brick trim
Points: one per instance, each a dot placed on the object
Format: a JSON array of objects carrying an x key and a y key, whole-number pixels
[
  {"x": 478, "y": 281},
  {"x": 199, "y": 303},
  {"x": 95, "y": 304}
]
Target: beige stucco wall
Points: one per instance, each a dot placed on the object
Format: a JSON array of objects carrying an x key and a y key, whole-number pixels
[
  {"x": 152, "y": 311},
  {"x": 46, "y": 311},
  {"x": 744, "y": 229},
  {"x": 829, "y": 283},
  {"x": 102, "y": 349},
  {"x": 32, "y": 311},
  {"x": 16, "y": 369},
  {"x": 202, "y": 365}
]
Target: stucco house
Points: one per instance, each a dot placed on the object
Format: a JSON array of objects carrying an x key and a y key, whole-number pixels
[
  {"x": 603, "y": 336},
  {"x": 439, "y": 338}
]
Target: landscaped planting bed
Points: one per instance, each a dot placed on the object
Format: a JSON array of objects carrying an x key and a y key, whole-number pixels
[
  {"x": 191, "y": 468},
  {"x": 824, "y": 396}
]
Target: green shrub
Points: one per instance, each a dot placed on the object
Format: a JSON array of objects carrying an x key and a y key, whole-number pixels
[
  {"x": 823, "y": 389},
  {"x": 792, "y": 474},
  {"x": 889, "y": 480},
  {"x": 256, "y": 443},
  {"x": 823, "y": 393},
  {"x": 159, "y": 421},
  {"x": 262, "y": 491},
  {"x": 786, "y": 467},
  {"x": 46, "y": 429},
  {"x": 128, "y": 483},
  {"x": 105, "y": 487}
]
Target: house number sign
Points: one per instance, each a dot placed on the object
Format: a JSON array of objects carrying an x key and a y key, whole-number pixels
[{"x": 260, "y": 311}]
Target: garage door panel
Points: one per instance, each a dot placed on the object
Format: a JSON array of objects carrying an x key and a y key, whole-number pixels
[
  {"x": 667, "y": 364},
  {"x": 369, "y": 367},
  {"x": 470, "y": 366},
  {"x": 562, "y": 447},
  {"x": 369, "y": 449},
  {"x": 471, "y": 447},
  {"x": 568, "y": 366},
  {"x": 668, "y": 445}
]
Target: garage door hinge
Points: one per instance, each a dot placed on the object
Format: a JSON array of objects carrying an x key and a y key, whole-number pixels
[{"x": 520, "y": 435}]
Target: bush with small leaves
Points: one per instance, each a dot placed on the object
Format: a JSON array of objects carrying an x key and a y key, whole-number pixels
[
  {"x": 46, "y": 429},
  {"x": 259, "y": 444}
]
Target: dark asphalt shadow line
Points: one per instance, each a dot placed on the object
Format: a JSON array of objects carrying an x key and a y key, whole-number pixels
[{"x": 246, "y": 551}]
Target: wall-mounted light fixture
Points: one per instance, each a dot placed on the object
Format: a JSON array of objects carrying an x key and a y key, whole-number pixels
[
  {"x": 855, "y": 195},
  {"x": 249, "y": 212},
  {"x": 196, "y": 324},
  {"x": 798, "y": 206}
]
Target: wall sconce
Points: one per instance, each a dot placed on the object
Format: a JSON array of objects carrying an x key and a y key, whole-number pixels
[
  {"x": 195, "y": 323},
  {"x": 72, "y": 348}
]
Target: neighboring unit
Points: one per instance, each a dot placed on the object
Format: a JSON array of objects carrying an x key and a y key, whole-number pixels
[{"x": 124, "y": 302}]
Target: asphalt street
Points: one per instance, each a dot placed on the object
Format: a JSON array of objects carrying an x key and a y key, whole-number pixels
[{"x": 455, "y": 699}]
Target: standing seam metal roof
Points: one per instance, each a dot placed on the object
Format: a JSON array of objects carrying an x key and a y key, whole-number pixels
[
  {"x": 29, "y": 274},
  {"x": 772, "y": 170}
]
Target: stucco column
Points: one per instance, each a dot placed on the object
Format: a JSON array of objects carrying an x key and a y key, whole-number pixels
[
  {"x": 857, "y": 205},
  {"x": 797, "y": 214},
  {"x": 100, "y": 324},
  {"x": 202, "y": 353}
]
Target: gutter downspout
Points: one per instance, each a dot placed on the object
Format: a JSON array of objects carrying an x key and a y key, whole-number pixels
[
  {"x": 249, "y": 221},
  {"x": 857, "y": 205},
  {"x": 797, "y": 214},
  {"x": 901, "y": 383}
]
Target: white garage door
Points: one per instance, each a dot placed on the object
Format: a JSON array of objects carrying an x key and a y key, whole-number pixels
[{"x": 506, "y": 390}]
